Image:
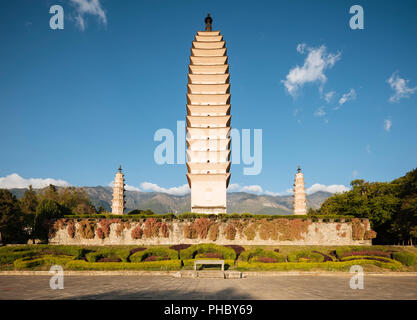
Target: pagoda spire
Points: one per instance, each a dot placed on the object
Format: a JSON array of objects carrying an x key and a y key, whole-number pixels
[{"x": 208, "y": 20}]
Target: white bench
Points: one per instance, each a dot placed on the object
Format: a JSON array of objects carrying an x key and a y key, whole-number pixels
[{"x": 217, "y": 262}]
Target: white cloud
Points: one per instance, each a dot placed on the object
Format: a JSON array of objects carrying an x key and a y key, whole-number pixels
[
  {"x": 387, "y": 125},
  {"x": 317, "y": 61},
  {"x": 84, "y": 7},
  {"x": 331, "y": 188},
  {"x": 399, "y": 85},
  {"x": 15, "y": 181},
  {"x": 329, "y": 95},
  {"x": 320, "y": 112},
  {"x": 127, "y": 187},
  {"x": 301, "y": 47},
  {"x": 235, "y": 187},
  {"x": 351, "y": 95},
  {"x": 176, "y": 191}
]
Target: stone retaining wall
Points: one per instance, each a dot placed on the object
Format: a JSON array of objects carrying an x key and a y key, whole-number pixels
[{"x": 153, "y": 231}]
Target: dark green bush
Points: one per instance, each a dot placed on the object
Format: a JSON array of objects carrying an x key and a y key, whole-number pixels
[
  {"x": 190, "y": 253},
  {"x": 261, "y": 253},
  {"x": 406, "y": 258},
  {"x": 158, "y": 252}
]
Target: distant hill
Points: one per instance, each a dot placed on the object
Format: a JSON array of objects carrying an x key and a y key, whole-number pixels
[{"x": 162, "y": 203}]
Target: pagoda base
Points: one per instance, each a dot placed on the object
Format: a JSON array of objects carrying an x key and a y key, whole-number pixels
[{"x": 208, "y": 210}]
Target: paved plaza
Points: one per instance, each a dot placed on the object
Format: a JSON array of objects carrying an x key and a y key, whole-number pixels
[{"x": 170, "y": 288}]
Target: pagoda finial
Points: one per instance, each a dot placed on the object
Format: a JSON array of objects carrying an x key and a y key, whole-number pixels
[
  {"x": 120, "y": 168},
  {"x": 299, "y": 169},
  {"x": 208, "y": 20}
]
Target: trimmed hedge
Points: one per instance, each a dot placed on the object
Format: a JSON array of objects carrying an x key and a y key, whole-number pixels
[
  {"x": 163, "y": 265},
  {"x": 47, "y": 261},
  {"x": 10, "y": 257},
  {"x": 329, "y": 266},
  {"x": 189, "y": 263},
  {"x": 378, "y": 258},
  {"x": 124, "y": 217},
  {"x": 191, "y": 252},
  {"x": 159, "y": 252},
  {"x": 305, "y": 256},
  {"x": 225, "y": 216},
  {"x": 122, "y": 254},
  {"x": 261, "y": 253},
  {"x": 361, "y": 250},
  {"x": 406, "y": 258}
]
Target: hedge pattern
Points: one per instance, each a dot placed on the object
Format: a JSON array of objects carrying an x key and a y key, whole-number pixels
[
  {"x": 191, "y": 252},
  {"x": 139, "y": 256}
]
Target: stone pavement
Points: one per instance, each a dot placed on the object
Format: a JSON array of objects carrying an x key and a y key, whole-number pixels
[{"x": 170, "y": 288}]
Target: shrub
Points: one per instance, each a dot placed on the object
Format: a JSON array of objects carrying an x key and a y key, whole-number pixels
[
  {"x": 377, "y": 258},
  {"x": 155, "y": 258},
  {"x": 406, "y": 258},
  {"x": 213, "y": 232},
  {"x": 109, "y": 260},
  {"x": 45, "y": 261},
  {"x": 137, "y": 232},
  {"x": 190, "y": 231},
  {"x": 122, "y": 254},
  {"x": 71, "y": 229},
  {"x": 100, "y": 233},
  {"x": 238, "y": 249},
  {"x": 180, "y": 247},
  {"x": 202, "y": 226},
  {"x": 330, "y": 266},
  {"x": 209, "y": 255},
  {"x": 250, "y": 231},
  {"x": 151, "y": 265},
  {"x": 120, "y": 228},
  {"x": 230, "y": 232},
  {"x": 151, "y": 229},
  {"x": 10, "y": 257},
  {"x": 325, "y": 256},
  {"x": 305, "y": 256},
  {"x": 137, "y": 250},
  {"x": 157, "y": 251},
  {"x": 191, "y": 252},
  {"x": 261, "y": 253},
  {"x": 362, "y": 251},
  {"x": 87, "y": 229},
  {"x": 264, "y": 260}
]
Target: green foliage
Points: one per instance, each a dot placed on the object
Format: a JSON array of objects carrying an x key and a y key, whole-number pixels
[
  {"x": 406, "y": 258},
  {"x": 126, "y": 217},
  {"x": 163, "y": 265},
  {"x": 191, "y": 252},
  {"x": 391, "y": 207},
  {"x": 345, "y": 250},
  {"x": 158, "y": 251},
  {"x": 378, "y": 258},
  {"x": 122, "y": 254},
  {"x": 261, "y": 253},
  {"x": 29, "y": 201},
  {"x": 11, "y": 218},
  {"x": 329, "y": 266},
  {"x": 225, "y": 217},
  {"x": 46, "y": 261},
  {"x": 305, "y": 256}
]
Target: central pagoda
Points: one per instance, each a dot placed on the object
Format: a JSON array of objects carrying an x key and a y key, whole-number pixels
[{"x": 208, "y": 122}]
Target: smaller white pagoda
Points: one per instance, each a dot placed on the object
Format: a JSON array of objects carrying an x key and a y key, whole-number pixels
[
  {"x": 300, "y": 204},
  {"x": 118, "y": 202}
]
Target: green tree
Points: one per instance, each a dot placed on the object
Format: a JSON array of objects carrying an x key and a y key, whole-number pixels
[
  {"x": 46, "y": 211},
  {"x": 11, "y": 221},
  {"x": 29, "y": 201}
]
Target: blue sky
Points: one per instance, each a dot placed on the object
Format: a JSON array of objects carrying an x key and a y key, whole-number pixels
[{"x": 76, "y": 103}]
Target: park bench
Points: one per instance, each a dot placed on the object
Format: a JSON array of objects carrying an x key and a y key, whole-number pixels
[{"x": 203, "y": 262}]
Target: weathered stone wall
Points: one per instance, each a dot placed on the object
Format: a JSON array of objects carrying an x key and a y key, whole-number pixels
[{"x": 152, "y": 231}]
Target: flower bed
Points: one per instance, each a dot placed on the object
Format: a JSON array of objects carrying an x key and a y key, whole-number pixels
[
  {"x": 151, "y": 265},
  {"x": 121, "y": 254},
  {"x": 305, "y": 256}
]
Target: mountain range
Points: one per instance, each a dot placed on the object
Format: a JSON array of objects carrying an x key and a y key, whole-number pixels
[{"x": 238, "y": 202}]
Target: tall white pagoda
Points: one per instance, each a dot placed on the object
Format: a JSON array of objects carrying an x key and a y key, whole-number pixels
[
  {"x": 118, "y": 201},
  {"x": 208, "y": 122},
  {"x": 300, "y": 204}
]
